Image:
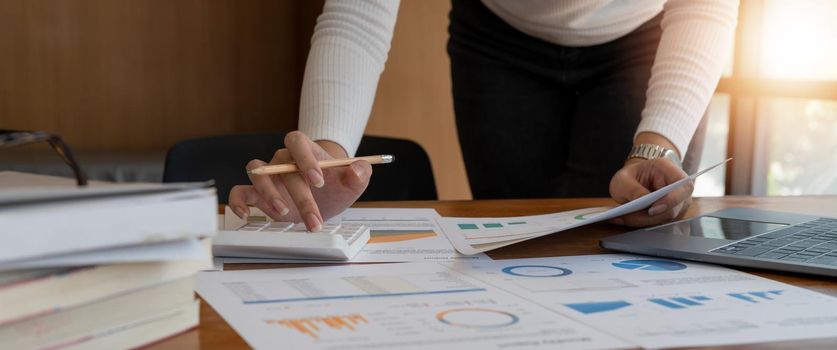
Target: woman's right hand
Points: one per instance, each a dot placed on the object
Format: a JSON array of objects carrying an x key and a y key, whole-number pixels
[{"x": 312, "y": 195}]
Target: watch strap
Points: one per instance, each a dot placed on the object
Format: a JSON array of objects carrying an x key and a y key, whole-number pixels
[{"x": 652, "y": 151}]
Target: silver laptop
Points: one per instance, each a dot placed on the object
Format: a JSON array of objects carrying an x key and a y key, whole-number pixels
[{"x": 742, "y": 237}]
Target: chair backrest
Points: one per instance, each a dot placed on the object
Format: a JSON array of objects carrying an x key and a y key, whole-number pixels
[{"x": 222, "y": 158}]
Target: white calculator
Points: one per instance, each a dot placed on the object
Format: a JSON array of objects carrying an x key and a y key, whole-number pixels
[{"x": 287, "y": 240}]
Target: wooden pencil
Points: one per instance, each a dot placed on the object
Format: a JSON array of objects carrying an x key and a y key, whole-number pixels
[{"x": 291, "y": 167}]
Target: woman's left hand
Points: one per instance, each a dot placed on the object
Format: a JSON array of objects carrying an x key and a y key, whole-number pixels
[{"x": 641, "y": 176}]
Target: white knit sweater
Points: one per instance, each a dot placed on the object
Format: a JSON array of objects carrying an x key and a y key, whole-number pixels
[{"x": 352, "y": 38}]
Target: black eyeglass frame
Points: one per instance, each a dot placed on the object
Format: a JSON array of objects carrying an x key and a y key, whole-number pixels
[{"x": 11, "y": 138}]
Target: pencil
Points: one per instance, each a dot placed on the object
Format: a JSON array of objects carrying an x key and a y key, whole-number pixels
[{"x": 291, "y": 167}]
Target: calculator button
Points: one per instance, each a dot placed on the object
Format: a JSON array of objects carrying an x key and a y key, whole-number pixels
[
  {"x": 252, "y": 226},
  {"x": 298, "y": 228},
  {"x": 279, "y": 226}
]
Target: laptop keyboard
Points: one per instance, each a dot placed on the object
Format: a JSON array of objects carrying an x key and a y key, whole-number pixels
[{"x": 813, "y": 242}]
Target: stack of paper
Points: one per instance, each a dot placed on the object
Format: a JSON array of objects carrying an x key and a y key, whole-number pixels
[
  {"x": 476, "y": 235},
  {"x": 108, "y": 266},
  {"x": 580, "y": 302}
]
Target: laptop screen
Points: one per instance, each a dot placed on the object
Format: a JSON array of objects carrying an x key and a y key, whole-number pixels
[{"x": 719, "y": 228}]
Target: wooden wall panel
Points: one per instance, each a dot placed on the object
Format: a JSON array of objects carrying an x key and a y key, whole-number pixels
[
  {"x": 142, "y": 74},
  {"x": 134, "y": 75},
  {"x": 414, "y": 95}
]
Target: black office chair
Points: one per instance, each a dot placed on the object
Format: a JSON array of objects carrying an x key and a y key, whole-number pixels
[{"x": 223, "y": 158}]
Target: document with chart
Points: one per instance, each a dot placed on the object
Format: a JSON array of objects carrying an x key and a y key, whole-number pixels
[
  {"x": 397, "y": 235},
  {"x": 478, "y": 235},
  {"x": 580, "y": 302},
  {"x": 656, "y": 303},
  {"x": 386, "y": 306}
]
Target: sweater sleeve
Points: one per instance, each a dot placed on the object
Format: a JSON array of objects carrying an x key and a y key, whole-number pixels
[
  {"x": 696, "y": 39},
  {"x": 348, "y": 50}
]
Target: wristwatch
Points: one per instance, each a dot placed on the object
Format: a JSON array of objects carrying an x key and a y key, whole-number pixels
[{"x": 652, "y": 151}]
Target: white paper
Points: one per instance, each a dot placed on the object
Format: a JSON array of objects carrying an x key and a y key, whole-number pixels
[
  {"x": 386, "y": 306},
  {"x": 598, "y": 301},
  {"x": 17, "y": 188},
  {"x": 398, "y": 235},
  {"x": 185, "y": 249},
  {"x": 477, "y": 235},
  {"x": 657, "y": 303}
]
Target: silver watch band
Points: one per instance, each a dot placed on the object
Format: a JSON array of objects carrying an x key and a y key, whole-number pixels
[{"x": 652, "y": 151}]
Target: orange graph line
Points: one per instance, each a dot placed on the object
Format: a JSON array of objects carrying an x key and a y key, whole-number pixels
[
  {"x": 311, "y": 325},
  {"x": 407, "y": 236}
]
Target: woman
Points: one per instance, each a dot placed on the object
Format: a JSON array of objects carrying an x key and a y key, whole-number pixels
[{"x": 559, "y": 91}]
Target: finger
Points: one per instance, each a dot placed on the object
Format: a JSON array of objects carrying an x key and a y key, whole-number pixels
[
  {"x": 302, "y": 152},
  {"x": 666, "y": 173},
  {"x": 304, "y": 201},
  {"x": 684, "y": 209},
  {"x": 624, "y": 186},
  {"x": 301, "y": 195},
  {"x": 266, "y": 188},
  {"x": 681, "y": 208},
  {"x": 238, "y": 201},
  {"x": 642, "y": 219},
  {"x": 242, "y": 197},
  {"x": 672, "y": 203},
  {"x": 674, "y": 206}
]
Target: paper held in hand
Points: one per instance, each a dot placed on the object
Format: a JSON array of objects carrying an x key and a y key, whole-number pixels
[{"x": 477, "y": 235}]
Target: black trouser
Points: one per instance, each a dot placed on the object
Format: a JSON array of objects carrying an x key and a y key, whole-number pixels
[{"x": 537, "y": 119}]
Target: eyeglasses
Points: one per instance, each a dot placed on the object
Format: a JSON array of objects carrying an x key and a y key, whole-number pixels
[{"x": 11, "y": 138}]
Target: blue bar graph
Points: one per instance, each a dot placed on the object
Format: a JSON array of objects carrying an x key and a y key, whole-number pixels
[
  {"x": 677, "y": 303},
  {"x": 686, "y": 301},
  {"x": 756, "y": 297},
  {"x": 666, "y": 303},
  {"x": 763, "y": 295},
  {"x": 744, "y": 297}
]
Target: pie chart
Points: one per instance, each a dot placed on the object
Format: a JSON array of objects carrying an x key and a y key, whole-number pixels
[
  {"x": 650, "y": 265},
  {"x": 477, "y": 318},
  {"x": 536, "y": 271},
  {"x": 597, "y": 307}
]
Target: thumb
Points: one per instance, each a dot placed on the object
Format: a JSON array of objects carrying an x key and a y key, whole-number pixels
[{"x": 625, "y": 188}]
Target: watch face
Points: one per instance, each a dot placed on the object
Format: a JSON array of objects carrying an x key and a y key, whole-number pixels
[{"x": 672, "y": 156}]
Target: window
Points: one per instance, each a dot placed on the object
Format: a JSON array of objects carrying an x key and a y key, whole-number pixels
[
  {"x": 780, "y": 102},
  {"x": 795, "y": 148}
]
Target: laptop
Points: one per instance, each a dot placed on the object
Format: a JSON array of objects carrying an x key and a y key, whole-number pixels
[{"x": 741, "y": 237}]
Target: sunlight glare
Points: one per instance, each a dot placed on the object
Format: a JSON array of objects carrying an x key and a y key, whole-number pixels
[{"x": 799, "y": 40}]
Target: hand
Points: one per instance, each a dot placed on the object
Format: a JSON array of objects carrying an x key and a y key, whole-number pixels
[
  {"x": 639, "y": 177},
  {"x": 312, "y": 195}
]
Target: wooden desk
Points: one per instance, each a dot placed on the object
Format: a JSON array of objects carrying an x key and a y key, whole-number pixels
[{"x": 215, "y": 333}]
